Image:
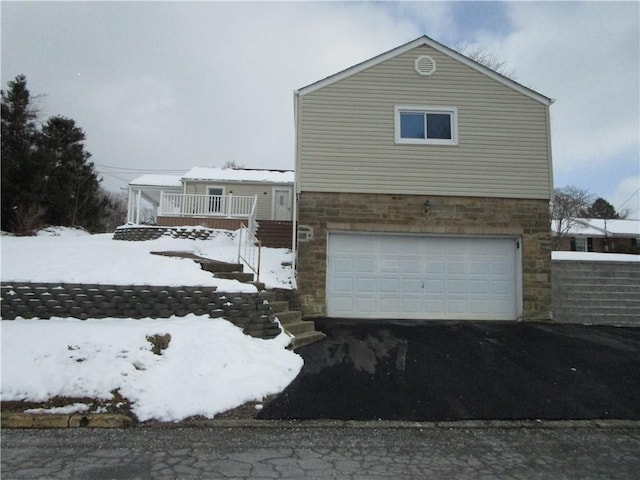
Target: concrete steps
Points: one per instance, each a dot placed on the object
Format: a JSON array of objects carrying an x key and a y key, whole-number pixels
[{"x": 303, "y": 331}]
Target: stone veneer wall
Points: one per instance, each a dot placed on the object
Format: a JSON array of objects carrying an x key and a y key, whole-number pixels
[
  {"x": 45, "y": 300},
  {"x": 528, "y": 219}
]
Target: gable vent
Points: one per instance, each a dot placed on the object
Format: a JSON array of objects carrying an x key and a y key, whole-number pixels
[{"x": 425, "y": 65}]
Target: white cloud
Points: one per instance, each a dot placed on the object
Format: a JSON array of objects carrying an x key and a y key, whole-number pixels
[
  {"x": 174, "y": 85},
  {"x": 626, "y": 196},
  {"x": 586, "y": 55}
]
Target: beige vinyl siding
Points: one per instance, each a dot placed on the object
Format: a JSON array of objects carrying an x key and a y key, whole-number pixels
[
  {"x": 346, "y": 139},
  {"x": 263, "y": 191}
]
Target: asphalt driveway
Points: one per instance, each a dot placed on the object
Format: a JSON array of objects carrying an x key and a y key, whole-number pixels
[{"x": 465, "y": 370}]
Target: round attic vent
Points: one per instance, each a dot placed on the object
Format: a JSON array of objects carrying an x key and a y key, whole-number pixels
[{"x": 425, "y": 65}]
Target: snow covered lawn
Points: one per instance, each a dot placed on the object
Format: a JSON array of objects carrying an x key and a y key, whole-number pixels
[
  {"x": 73, "y": 256},
  {"x": 209, "y": 366}
]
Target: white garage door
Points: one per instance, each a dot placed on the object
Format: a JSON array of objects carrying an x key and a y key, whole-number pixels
[{"x": 422, "y": 277}]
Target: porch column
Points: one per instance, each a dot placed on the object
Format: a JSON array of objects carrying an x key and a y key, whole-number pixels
[
  {"x": 229, "y": 208},
  {"x": 130, "y": 206},
  {"x": 138, "y": 201}
]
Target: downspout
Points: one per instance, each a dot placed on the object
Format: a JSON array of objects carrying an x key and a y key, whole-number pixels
[{"x": 294, "y": 236}]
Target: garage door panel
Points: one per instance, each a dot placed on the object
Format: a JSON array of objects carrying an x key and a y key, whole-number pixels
[
  {"x": 389, "y": 305},
  {"x": 431, "y": 277},
  {"x": 343, "y": 264},
  {"x": 389, "y": 266},
  {"x": 342, "y": 284},
  {"x": 479, "y": 286},
  {"x": 411, "y": 285},
  {"x": 409, "y": 266},
  {"x": 411, "y": 306},
  {"x": 366, "y": 285},
  {"x": 501, "y": 287},
  {"x": 366, "y": 265},
  {"x": 433, "y": 267},
  {"x": 456, "y": 287},
  {"x": 434, "y": 286},
  {"x": 456, "y": 267},
  {"x": 365, "y": 304},
  {"x": 389, "y": 285}
]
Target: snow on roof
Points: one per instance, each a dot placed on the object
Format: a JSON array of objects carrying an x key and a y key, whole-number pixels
[
  {"x": 150, "y": 180},
  {"x": 239, "y": 175},
  {"x": 595, "y": 256},
  {"x": 598, "y": 227}
]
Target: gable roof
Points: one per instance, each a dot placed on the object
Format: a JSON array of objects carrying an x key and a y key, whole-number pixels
[
  {"x": 238, "y": 175},
  {"x": 418, "y": 42},
  {"x": 598, "y": 227}
]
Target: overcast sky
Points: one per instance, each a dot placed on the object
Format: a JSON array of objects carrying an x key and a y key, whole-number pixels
[{"x": 167, "y": 86}]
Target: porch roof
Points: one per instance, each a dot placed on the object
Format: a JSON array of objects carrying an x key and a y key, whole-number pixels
[{"x": 151, "y": 180}]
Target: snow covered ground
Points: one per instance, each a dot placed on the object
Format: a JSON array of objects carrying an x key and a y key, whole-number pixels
[
  {"x": 209, "y": 367},
  {"x": 73, "y": 256}
]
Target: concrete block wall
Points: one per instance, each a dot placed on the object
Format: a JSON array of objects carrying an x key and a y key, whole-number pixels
[
  {"x": 599, "y": 293},
  {"x": 144, "y": 232},
  {"x": 46, "y": 300}
]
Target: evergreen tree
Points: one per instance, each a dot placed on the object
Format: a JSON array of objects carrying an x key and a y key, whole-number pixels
[
  {"x": 600, "y": 208},
  {"x": 47, "y": 177},
  {"x": 72, "y": 187},
  {"x": 20, "y": 172}
]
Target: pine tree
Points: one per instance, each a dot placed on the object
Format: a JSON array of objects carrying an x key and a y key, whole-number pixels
[
  {"x": 20, "y": 169},
  {"x": 600, "y": 208},
  {"x": 72, "y": 187}
]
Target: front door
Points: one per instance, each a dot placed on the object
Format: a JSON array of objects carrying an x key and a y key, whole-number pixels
[
  {"x": 281, "y": 204},
  {"x": 215, "y": 199}
]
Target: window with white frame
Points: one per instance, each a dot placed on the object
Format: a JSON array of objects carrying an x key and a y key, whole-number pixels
[{"x": 426, "y": 125}]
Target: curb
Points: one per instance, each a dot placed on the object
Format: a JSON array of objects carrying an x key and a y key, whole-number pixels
[
  {"x": 52, "y": 420},
  {"x": 400, "y": 424},
  {"x": 76, "y": 420}
]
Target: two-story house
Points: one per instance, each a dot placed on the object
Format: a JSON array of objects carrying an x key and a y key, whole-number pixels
[{"x": 423, "y": 182}]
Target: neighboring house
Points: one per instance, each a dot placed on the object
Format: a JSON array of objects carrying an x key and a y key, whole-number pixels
[
  {"x": 599, "y": 235},
  {"x": 423, "y": 181},
  {"x": 219, "y": 198}
]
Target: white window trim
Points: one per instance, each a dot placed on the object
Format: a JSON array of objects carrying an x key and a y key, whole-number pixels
[
  {"x": 221, "y": 205},
  {"x": 453, "y": 111}
]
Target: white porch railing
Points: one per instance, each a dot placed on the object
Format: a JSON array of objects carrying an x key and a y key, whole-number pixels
[
  {"x": 249, "y": 250},
  {"x": 189, "y": 205}
]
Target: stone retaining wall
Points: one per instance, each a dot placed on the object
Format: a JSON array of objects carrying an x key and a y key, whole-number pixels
[
  {"x": 46, "y": 300},
  {"x": 145, "y": 232}
]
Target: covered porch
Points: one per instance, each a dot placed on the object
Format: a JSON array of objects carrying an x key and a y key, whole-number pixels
[
  {"x": 213, "y": 211},
  {"x": 160, "y": 200}
]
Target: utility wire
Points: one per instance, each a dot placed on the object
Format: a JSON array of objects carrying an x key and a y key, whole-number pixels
[
  {"x": 630, "y": 197},
  {"x": 140, "y": 170}
]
